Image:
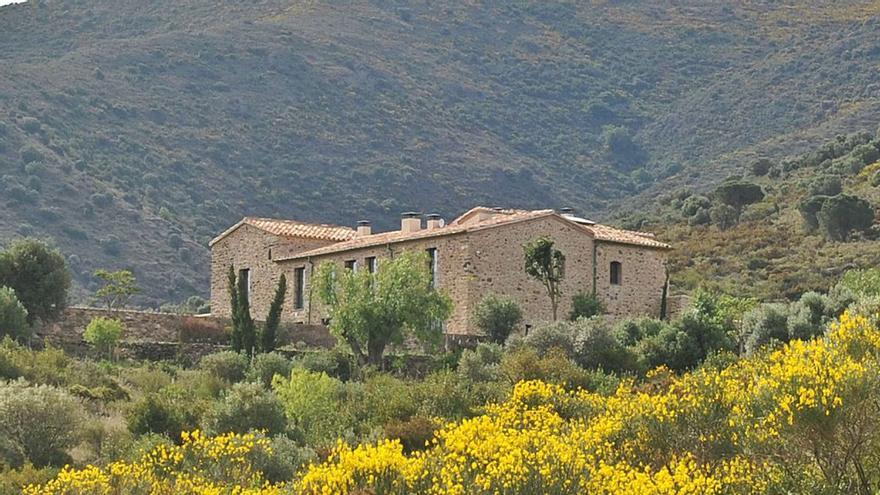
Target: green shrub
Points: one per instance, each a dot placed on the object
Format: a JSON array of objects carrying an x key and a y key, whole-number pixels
[
  {"x": 480, "y": 364},
  {"x": 246, "y": 407},
  {"x": 688, "y": 341},
  {"x": 585, "y": 305},
  {"x": 826, "y": 185},
  {"x": 30, "y": 154},
  {"x": 842, "y": 214},
  {"x": 553, "y": 367},
  {"x": 313, "y": 405},
  {"x": 38, "y": 423},
  {"x": 13, "y": 481},
  {"x": 862, "y": 283},
  {"x": 596, "y": 347},
  {"x": 760, "y": 167},
  {"x": 286, "y": 459},
  {"x": 105, "y": 439},
  {"x": 497, "y": 317},
  {"x": 414, "y": 433},
  {"x": 166, "y": 414},
  {"x": 694, "y": 204},
  {"x": 764, "y": 325},
  {"x": 558, "y": 335},
  {"x": 386, "y": 398},
  {"x": 227, "y": 365},
  {"x": 723, "y": 216},
  {"x": 147, "y": 379},
  {"x": 13, "y": 316},
  {"x": 265, "y": 366},
  {"x": 335, "y": 362},
  {"x": 104, "y": 333},
  {"x": 445, "y": 394}
]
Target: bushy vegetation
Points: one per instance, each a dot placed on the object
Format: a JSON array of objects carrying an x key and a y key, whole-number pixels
[
  {"x": 285, "y": 414},
  {"x": 799, "y": 419},
  {"x": 497, "y": 317},
  {"x": 812, "y": 212}
]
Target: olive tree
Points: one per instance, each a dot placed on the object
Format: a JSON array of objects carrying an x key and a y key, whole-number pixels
[
  {"x": 497, "y": 317},
  {"x": 369, "y": 311},
  {"x": 39, "y": 276}
]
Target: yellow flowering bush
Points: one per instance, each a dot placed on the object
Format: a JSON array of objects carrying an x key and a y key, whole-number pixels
[
  {"x": 801, "y": 419},
  {"x": 778, "y": 422},
  {"x": 200, "y": 465}
]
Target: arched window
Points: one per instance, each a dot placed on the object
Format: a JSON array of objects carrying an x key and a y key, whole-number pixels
[{"x": 616, "y": 273}]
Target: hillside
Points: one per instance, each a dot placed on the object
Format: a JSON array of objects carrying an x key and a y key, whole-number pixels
[
  {"x": 768, "y": 251},
  {"x": 133, "y": 131}
]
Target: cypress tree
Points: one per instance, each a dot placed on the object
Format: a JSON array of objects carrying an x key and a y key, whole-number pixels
[
  {"x": 232, "y": 287},
  {"x": 273, "y": 319},
  {"x": 246, "y": 329}
]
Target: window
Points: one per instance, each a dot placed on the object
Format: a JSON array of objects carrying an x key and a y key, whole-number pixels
[
  {"x": 371, "y": 264},
  {"x": 244, "y": 277},
  {"x": 432, "y": 266},
  {"x": 616, "y": 273},
  {"x": 299, "y": 282},
  {"x": 351, "y": 265}
]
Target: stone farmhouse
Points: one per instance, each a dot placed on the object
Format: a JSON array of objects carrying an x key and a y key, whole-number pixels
[{"x": 478, "y": 253}]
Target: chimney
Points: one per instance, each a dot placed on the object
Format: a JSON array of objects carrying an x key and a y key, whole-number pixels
[
  {"x": 434, "y": 221},
  {"x": 567, "y": 211},
  {"x": 410, "y": 221},
  {"x": 364, "y": 228}
]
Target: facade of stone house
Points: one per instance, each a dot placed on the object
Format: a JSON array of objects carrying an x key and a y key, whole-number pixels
[{"x": 476, "y": 254}]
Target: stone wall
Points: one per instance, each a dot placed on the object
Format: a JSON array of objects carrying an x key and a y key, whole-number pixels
[
  {"x": 499, "y": 266},
  {"x": 643, "y": 274},
  {"x": 474, "y": 264},
  {"x": 141, "y": 326},
  {"x": 453, "y": 262},
  {"x": 254, "y": 249}
]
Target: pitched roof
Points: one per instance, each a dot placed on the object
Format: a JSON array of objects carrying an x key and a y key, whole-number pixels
[
  {"x": 503, "y": 217},
  {"x": 613, "y": 234},
  {"x": 292, "y": 228}
]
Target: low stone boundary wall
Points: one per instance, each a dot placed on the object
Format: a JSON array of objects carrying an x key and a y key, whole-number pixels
[
  {"x": 186, "y": 338},
  {"x": 165, "y": 336}
]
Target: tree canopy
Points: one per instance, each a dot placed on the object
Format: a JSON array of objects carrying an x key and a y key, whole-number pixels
[
  {"x": 369, "y": 311},
  {"x": 39, "y": 276},
  {"x": 546, "y": 264}
]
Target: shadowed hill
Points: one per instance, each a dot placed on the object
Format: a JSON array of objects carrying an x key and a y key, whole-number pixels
[{"x": 131, "y": 132}]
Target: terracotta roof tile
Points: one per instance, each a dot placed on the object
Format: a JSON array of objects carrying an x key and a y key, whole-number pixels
[
  {"x": 600, "y": 232},
  {"x": 612, "y": 234},
  {"x": 293, "y": 228}
]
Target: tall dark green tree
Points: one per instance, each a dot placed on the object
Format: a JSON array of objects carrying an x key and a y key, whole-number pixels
[
  {"x": 232, "y": 288},
  {"x": 247, "y": 330},
  {"x": 546, "y": 264},
  {"x": 269, "y": 337},
  {"x": 38, "y": 274}
]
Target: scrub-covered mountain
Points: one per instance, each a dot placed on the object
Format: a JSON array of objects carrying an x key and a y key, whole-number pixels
[
  {"x": 131, "y": 131},
  {"x": 780, "y": 229}
]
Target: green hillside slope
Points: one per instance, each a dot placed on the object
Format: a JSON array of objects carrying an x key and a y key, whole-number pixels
[
  {"x": 133, "y": 131},
  {"x": 767, "y": 249}
]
